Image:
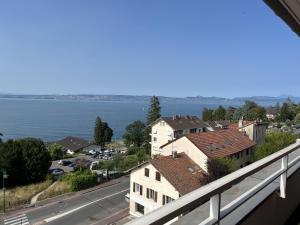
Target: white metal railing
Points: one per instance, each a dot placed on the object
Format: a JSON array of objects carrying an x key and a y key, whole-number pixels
[{"x": 212, "y": 191}]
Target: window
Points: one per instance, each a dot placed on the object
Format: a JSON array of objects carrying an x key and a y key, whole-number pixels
[
  {"x": 162, "y": 123},
  {"x": 194, "y": 130},
  {"x": 154, "y": 139},
  {"x": 146, "y": 172},
  {"x": 242, "y": 154},
  {"x": 151, "y": 194},
  {"x": 137, "y": 188},
  {"x": 237, "y": 155},
  {"x": 247, "y": 151},
  {"x": 157, "y": 176},
  {"x": 166, "y": 199},
  {"x": 139, "y": 208}
]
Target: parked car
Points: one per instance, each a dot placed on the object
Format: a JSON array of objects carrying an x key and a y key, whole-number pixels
[
  {"x": 57, "y": 172},
  {"x": 92, "y": 152},
  {"x": 64, "y": 162}
]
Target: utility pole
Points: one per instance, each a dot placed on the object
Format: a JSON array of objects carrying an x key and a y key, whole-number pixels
[{"x": 4, "y": 176}]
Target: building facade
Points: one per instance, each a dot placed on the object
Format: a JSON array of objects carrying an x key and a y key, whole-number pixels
[{"x": 166, "y": 129}]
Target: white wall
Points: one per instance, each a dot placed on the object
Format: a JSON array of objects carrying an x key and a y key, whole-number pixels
[
  {"x": 161, "y": 133},
  {"x": 185, "y": 145},
  {"x": 163, "y": 187}
]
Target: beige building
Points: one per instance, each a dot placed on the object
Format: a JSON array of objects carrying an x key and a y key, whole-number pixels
[
  {"x": 161, "y": 181},
  {"x": 254, "y": 129},
  {"x": 215, "y": 144},
  {"x": 166, "y": 129}
]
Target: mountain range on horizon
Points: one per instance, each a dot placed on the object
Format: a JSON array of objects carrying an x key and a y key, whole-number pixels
[{"x": 262, "y": 100}]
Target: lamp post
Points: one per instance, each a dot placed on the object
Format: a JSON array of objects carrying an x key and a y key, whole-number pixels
[{"x": 4, "y": 176}]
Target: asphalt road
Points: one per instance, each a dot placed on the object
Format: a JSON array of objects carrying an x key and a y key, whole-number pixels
[{"x": 94, "y": 207}]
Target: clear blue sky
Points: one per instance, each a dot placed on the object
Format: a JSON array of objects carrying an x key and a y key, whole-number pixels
[{"x": 171, "y": 48}]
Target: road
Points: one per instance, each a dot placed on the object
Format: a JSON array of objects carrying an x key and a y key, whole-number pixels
[{"x": 93, "y": 207}]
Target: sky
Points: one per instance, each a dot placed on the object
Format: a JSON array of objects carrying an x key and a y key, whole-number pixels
[{"x": 160, "y": 47}]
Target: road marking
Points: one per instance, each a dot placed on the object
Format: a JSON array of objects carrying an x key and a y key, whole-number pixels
[
  {"x": 17, "y": 220},
  {"x": 80, "y": 207}
]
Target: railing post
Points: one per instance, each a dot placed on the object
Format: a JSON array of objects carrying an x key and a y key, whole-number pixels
[
  {"x": 284, "y": 166},
  {"x": 215, "y": 206}
]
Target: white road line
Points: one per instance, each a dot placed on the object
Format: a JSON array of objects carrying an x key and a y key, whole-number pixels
[
  {"x": 11, "y": 218},
  {"x": 80, "y": 207},
  {"x": 14, "y": 220},
  {"x": 19, "y": 223}
]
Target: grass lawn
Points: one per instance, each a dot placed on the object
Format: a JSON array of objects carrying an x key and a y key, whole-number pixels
[
  {"x": 23, "y": 194},
  {"x": 61, "y": 187}
]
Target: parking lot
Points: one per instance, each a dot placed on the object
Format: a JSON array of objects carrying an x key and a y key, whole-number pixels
[{"x": 67, "y": 169}]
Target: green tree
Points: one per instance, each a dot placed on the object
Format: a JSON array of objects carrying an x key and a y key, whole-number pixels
[
  {"x": 134, "y": 134},
  {"x": 285, "y": 113},
  {"x": 218, "y": 167},
  {"x": 56, "y": 151},
  {"x": 108, "y": 133},
  {"x": 230, "y": 113},
  {"x": 274, "y": 141},
  {"x": 99, "y": 137},
  {"x": 220, "y": 113},
  {"x": 153, "y": 115},
  {"x": 1, "y": 135},
  {"x": 208, "y": 114},
  {"x": 297, "y": 119},
  {"x": 154, "y": 110},
  {"x": 26, "y": 161},
  {"x": 102, "y": 132}
]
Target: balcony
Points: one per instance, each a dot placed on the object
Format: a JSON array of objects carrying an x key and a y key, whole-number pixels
[{"x": 265, "y": 192}]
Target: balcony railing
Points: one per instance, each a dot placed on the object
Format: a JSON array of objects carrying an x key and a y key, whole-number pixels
[{"x": 212, "y": 191}]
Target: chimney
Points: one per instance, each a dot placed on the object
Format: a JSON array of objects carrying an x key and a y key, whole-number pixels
[
  {"x": 174, "y": 154},
  {"x": 241, "y": 122}
]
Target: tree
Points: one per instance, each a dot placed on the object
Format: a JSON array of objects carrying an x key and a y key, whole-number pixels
[
  {"x": 285, "y": 113},
  {"x": 56, "y": 151},
  {"x": 274, "y": 141},
  {"x": 207, "y": 114},
  {"x": 102, "y": 132},
  {"x": 134, "y": 134},
  {"x": 217, "y": 168},
  {"x": 154, "y": 110},
  {"x": 297, "y": 119},
  {"x": 1, "y": 135},
  {"x": 230, "y": 113},
  {"x": 108, "y": 133},
  {"x": 153, "y": 115},
  {"x": 26, "y": 161},
  {"x": 219, "y": 113}
]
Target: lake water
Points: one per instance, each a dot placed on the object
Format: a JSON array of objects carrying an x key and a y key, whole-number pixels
[{"x": 52, "y": 120}]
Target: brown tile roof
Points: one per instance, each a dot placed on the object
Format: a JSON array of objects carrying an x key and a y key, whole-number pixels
[
  {"x": 73, "y": 143},
  {"x": 221, "y": 143},
  {"x": 184, "y": 122},
  {"x": 182, "y": 172}
]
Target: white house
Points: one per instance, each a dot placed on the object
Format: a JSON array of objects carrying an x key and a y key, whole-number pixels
[
  {"x": 161, "y": 181},
  {"x": 166, "y": 129},
  {"x": 214, "y": 144}
]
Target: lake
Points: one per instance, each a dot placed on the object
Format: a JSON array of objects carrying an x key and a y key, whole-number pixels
[{"x": 52, "y": 119}]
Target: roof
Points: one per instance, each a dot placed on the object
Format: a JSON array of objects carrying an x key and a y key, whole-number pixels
[
  {"x": 184, "y": 122},
  {"x": 73, "y": 143},
  {"x": 221, "y": 143},
  {"x": 182, "y": 172},
  {"x": 289, "y": 11},
  {"x": 236, "y": 125}
]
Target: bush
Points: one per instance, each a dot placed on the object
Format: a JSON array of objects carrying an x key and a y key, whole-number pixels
[
  {"x": 81, "y": 180},
  {"x": 217, "y": 168},
  {"x": 56, "y": 151},
  {"x": 274, "y": 141}
]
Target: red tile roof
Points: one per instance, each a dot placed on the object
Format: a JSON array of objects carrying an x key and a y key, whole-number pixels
[
  {"x": 182, "y": 172},
  {"x": 221, "y": 143}
]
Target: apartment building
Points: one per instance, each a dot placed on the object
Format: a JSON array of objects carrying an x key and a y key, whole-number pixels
[
  {"x": 214, "y": 144},
  {"x": 161, "y": 181},
  {"x": 166, "y": 129}
]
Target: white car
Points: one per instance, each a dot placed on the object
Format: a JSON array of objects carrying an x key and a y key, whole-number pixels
[{"x": 92, "y": 152}]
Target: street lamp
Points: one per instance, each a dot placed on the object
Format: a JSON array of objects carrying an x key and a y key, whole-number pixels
[{"x": 4, "y": 176}]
